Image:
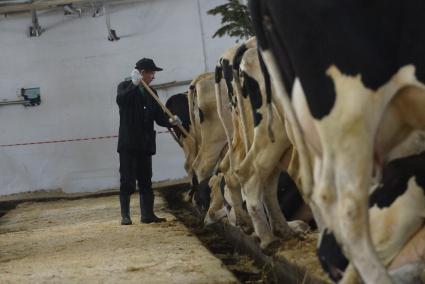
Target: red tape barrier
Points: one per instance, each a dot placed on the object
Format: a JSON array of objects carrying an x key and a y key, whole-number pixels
[{"x": 67, "y": 140}]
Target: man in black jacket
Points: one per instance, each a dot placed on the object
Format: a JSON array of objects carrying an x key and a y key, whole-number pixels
[{"x": 136, "y": 142}]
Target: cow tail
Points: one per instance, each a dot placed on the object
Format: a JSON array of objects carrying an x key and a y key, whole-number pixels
[
  {"x": 236, "y": 66},
  {"x": 218, "y": 77},
  {"x": 190, "y": 99},
  {"x": 268, "y": 98}
]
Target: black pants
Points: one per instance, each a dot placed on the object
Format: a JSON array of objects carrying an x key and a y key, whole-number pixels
[{"x": 136, "y": 166}]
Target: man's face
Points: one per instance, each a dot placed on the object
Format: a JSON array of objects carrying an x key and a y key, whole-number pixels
[{"x": 148, "y": 76}]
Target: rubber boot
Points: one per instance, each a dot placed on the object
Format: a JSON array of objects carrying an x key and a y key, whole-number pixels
[
  {"x": 146, "y": 210},
  {"x": 125, "y": 209}
]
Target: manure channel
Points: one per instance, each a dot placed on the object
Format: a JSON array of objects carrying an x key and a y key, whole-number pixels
[{"x": 241, "y": 264}]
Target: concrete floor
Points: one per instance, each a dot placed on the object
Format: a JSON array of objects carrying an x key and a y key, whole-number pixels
[{"x": 81, "y": 241}]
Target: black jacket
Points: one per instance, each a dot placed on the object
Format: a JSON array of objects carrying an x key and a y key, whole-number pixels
[{"x": 137, "y": 113}]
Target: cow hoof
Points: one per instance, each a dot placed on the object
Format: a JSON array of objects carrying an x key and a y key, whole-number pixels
[
  {"x": 283, "y": 234},
  {"x": 299, "y": 227},
  {"x": 254, "y": 236},
  {"x": 271, "y": 247},
  {"x": 246, "y": 229},
  {"x": 244, "y": 226},
  {"x": 187, "y": 197},
  {"x": 411, "y": 273},
  {"x": 208, "y": 221}
]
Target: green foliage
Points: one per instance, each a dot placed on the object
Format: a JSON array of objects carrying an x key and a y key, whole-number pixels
[{"x": 235, "y": 21}]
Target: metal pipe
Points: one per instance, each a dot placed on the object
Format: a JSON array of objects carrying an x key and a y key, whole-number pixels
[
  {"x": 171, "y": 84},
  {"x": 15, "y": 8},
  {"x": 36, "y": 29},
  {"x": 3, "y": 103},
  {"x": 201, "y": 26}
]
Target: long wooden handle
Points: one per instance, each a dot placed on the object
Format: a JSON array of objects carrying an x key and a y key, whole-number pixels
[{"x": 165, "y": 109}]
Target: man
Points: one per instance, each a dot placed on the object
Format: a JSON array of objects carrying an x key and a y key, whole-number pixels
[{"x": 136, "y": 142}]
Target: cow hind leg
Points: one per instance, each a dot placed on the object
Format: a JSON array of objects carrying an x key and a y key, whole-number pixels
[
  {"x": 412, "y": 273},
  {"x": 278, "y": 223},
  {"x": 346, "y": 212},
  {"x": 354, "y": 229},
  {"x": 255, "y": 206},
  {"x": 277, "y": 220},
  {"x": 242, "y": 218}
]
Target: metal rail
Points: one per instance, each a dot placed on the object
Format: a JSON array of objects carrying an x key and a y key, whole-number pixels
[
  {"x": 51, "y": 4},
  {"x": 171, "y": 84},
  {"x": 19, "y": 102}
]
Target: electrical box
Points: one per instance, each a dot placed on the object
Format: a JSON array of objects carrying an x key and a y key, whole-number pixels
[{"x": 31, "y": 96}]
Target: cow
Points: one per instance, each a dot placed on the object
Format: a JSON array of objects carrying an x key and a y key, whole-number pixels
[
  {"x": 207, "y": 144},
  {"x": 337, "y": 67},
  {"x": 396, "y": 204},
  {"x": 259, "y": 172},
  {"x": 288, "y": 196},
  {"x": 178, "y": 105},
  {"x": 237, "y": 136},
  {"x": 254, "y": 161},
  {"x": 213, "y": 143}
]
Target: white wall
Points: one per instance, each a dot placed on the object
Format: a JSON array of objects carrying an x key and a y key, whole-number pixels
[{"x": 78, "y": 70}]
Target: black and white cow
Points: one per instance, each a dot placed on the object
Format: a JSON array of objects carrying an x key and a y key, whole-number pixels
[
  {"x": 260, "y": 170},
  {"x": 255, "y": 161},
  {"x": 396, "y": 205},
  {"x": 178, "y": 105},
  {"x": 343, "y": 63},
  {"x": 237, "y": 134},
  {"x": 207, "y": 144},
  {"x": 213, "y": 142}
]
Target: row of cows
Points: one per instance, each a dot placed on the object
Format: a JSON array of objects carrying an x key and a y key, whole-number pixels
[{"x": 318, "y": 120}]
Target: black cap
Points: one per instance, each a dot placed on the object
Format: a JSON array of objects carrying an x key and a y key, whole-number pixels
[{"x": 147, "y": 64}]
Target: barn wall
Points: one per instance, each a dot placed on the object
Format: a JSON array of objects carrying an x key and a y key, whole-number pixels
[{"x": 78, "y": 70}]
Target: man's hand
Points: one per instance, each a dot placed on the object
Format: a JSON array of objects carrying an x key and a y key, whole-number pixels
[
  {"x": 175, "y": 121},
  {"x": 136, "y": 77}
]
